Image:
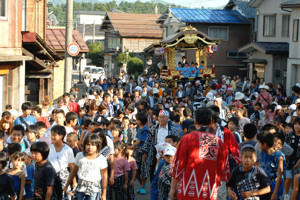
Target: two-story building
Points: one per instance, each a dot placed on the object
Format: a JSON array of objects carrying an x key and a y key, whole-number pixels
[
  {"x": 88, "y": 23},
  {"x": 128, "y": 32},
  {"x": 26, "y": 61},
  {"x": 267, "y": 55},
  {"x": 230, "y": 26},
  {"x": 293, "y": 66}
]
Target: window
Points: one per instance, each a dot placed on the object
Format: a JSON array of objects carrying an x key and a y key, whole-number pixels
[
  {"x": 234, "y": 54},
  {"x": 218, "y": 32},
  {"x": 269, "y": 25},
  {"x": 285, "y": 26},
  {"x": 113, "y": 43},
  {"x": 295, "y": 30},
  {"x": 3, "y": 9}
]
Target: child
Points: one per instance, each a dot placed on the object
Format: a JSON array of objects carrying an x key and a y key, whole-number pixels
[
  {"x": 72, "y": 141},
  {"x": 125, "y": 123},
  {"x": 188, "y": 120},
  {"x": 121, "y": 168},
  {"x": 165, "y": 178},
  {"x": 132, "y": 130},
  {"x": 91, "y": 168},
  {"x": 26, "y": 118},
  {"x": 31, "y": 133},
  {"x": 6, "y": 182},
  {"x": 232, "y": 124},
  {"x": 41, "y": 133},
  {"x": 2, "y": 147},
  {"x": 44, "y": 174},
  {"x": 281, "y": 145},
  {"x": 17, "y": 174},
  {"x": 248, "y": 181},
  {"x": 272, "y": 162},
  {"x": 29, "y": 184},
  {"x": 116, "y": 132},
  {"x": 249, "y": 131},
  {"x": 270, "y": 114},
  {"x": 128, "y": 152},
  {"x": 293, "y": 139},
  {"x": 17, "y": 136},
  {"x": 142, "y": 133},
  {"x": 296, "y": 193},
  {"x": 71, "y": 121},
  {"x": 255, "y": 117},
  {"x": 177, "y": 124},
  {"x": 172, "y": 140}
]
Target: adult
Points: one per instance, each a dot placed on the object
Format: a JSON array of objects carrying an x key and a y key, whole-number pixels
[
  {"x": 59, "y": 105},
  {"x": 233, "y": 83},
  {"x": 224, "y": 110},
  {"x": 197, "y": 89},
  {"x": 157, "y": 135},
  {"x": 107, "y": 101},
  {"x": 199, "y": 162},
  {"x": 264, "y": 97},
  {"x": 223, "y": 85},
  {"x": 130, "y": 86}
]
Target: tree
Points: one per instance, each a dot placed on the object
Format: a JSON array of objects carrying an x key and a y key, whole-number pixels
[
  {"x": 135, "y": 65},
  {"x": 95, "y": 52}
]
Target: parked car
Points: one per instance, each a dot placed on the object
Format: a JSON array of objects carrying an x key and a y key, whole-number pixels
[{"x": 93, "y": 72}]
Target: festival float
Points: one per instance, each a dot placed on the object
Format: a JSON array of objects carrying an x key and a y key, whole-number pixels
[{"x": 187, "y": 39}]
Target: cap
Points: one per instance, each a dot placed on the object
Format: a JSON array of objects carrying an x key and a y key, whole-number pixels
[
  {"x": 164, "y": 112},
  {"x": 230, "y": 89},
  {"x": 239, "y": 96},
  {"x": 198, "y": 82},
  {"x": 138, "y": 88},
  {"x": 170, "y": 151},
  {"x": 292, "y": 107},
  {"x": 297, "y": 101},
  {"x": 278, "y": 107},
  {"x": 144, "y": 95}
]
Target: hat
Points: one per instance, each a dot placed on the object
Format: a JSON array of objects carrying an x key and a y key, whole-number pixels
[
  {"x": 155, "y": 91},
  {"x": 198, "y": 82},
  {"x": 247, "y": 99},
  {"x": 170, "y": 151},
  {"x": 262, "y": 87},
  {"x": 138, "y": 88},
  {"x": 164, "y": 112},
  {"x": 149, "y": 88},
  {"x": 292, "y": 107},
  {"x": 247, "y": 146},
  {"x": 230, "y": 89},
  {"x": 27, "y": 151},
  {"x": 210, "y": 96},
  {"x": 144, "y": 95},
  {"x": 278, "y": 107},
  {"x": 239, "y": 96},
  {"x": 189, "y": 83},
  {"x": 297, "y": 101},
  {"x": 275, "y": 103},
  {"x": 91, "y": 97},
  {"x": 160, "y": 148},
  {"x": 180, "y": 85}
]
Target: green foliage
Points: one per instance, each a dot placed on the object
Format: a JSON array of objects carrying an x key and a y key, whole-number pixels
[
  {"x": 123, "y": 58},
  {"x": 59, "y": 10},
  {"x": 95, "y": 51},
  {"x": 135, "y": 65}
]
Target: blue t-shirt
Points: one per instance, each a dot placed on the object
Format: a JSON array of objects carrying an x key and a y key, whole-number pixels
[
  {"x": 269, "y": 163},
  {"x": 29, "y": 187},
  {"x": 142, "y": 134},
  {"x": 30, "y": 120}
]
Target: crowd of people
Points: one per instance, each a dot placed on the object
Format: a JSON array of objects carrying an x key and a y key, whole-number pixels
[{"x": 233, "y": 139}]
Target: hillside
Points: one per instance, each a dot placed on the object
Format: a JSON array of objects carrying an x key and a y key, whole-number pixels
[{"x": 59, "y": 8}]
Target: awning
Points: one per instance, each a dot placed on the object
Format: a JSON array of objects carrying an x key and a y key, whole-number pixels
[
  {"x": 266, "y": 47},
  {"x": 14, "y": 58}
]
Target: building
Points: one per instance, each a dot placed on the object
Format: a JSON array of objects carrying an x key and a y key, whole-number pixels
[
  {"x": 26, "y": 62},
  {"x": 127, "y": 32},
  {"x": 228, "y": 25},
  {"x": 293, "y": 63},
  {"x": 56, "y": 40},
  {"x": 267, "y": 56},
  {"x": 88, "y": 23}
]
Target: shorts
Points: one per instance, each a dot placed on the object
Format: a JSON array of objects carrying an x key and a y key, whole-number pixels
[{"x": 289, "y": 173}]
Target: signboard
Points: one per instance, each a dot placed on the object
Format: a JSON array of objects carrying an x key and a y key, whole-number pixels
[{"x": 73, "y": 49}]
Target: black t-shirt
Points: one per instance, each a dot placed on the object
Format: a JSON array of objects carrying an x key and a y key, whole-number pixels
[
  {"x": 186, "y": 123},
  {"x": 44, "y": 176},
  {"x": 294, "y": 141},
  {"x": 258, "y": 180},
  {"x": 6, "y": 184}
]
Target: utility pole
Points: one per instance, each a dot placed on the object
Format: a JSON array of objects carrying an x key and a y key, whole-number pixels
[
  {"x": 68, "y": 58},
  {"x": 94, "y": 31}
]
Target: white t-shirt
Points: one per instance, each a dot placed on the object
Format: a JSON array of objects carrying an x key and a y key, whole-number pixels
[
  {"x": 162, "y": 134},
  {"x": 61, "y": 160},
  {"x": 110, "y": 145},
  {"x": 90, "y": 170}
]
